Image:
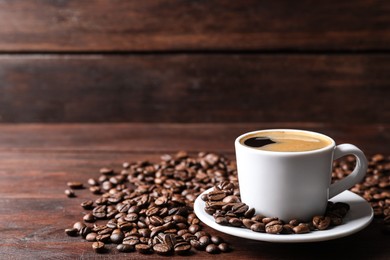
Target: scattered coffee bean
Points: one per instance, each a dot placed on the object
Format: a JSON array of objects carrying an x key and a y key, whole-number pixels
[
  {"x": 125, "y": 248},
  {"x": 216, "y": 240},
  {"x": 274, "y": 227},
  {"x": 89, "y": 218},
  {"x": 75, "y": 185},
  {"x": 70, "y": 193},
  {"x": 88, "y": 204},
  {"x": 73, "y": 232},
  {"x": 224, "y": 247},
  {"x": 212, "y": 249},
  {"x": 98, "y": 247},
  {"x": 91, "y": 237}
]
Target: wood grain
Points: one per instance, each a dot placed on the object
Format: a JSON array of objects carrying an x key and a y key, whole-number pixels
[
  {"x": 161, "y": 25},
  {"x": 195, "y": 88},
  {"x": 38, "y": 159}
]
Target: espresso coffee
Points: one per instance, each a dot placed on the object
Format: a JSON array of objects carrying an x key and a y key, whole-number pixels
[{"x": 285, "y": 141}]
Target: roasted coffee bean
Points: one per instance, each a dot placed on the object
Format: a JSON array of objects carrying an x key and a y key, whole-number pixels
[
  {"x": 196, "y": 244},
  {"x": 287, "y": 229},
  {"x": 85, "y": 231},
  {"x": 212, "y": 249},
  {"x": 117, "y": 236},
  {"x": 91, "y": 237},
  {"x": 240, "y": 208},
  {"x": 143, "y": 248},
  {"x": 321, "y": 222},
  {"x": 145, "y": 232},
  {"x": 182, "y": 247},
  {"x": 92, "y": 182},
  {"x": 95, "y": 190},
  {"x": 193, "y": 228},
  {"x": 72, "y": 232},
  {"x": 79, "y": 225},
  {"x": 98, "y": 247},
  {"x": 209, "y": 210},
  {"x": 274, "y": 227},
  {"x": 131, "y": 240},
  {"x": 335, "y": 219},
  {"x": 248, "y": 222},
  {"x": 301, "y": 228},
  {"x": 216, "y": 195},
  {"x": 200, "y": 234},
  {"x": 294, "y": 222},
  {"x": 268, "y": 220},
  {"x": 89, "y": 218},
  {"x": 204, "y": 241},
  {"x": 125, "y": 248},
  {"x": 103, "y": 238},
  {"x": 216, "y": 240},
  {"x": 88, "y": 204},
  {"x": 70, "y": 193},
  {"x": 231, "y": 199},
  {"x": 222, "y": 221},
  {"x": 224, "y": 247},
  {"x": 75, "y": 185},
  {"x": 249, "y": 213},
  {"x": 162, "y": 249},
  {"x": 258, "y": 227},
  {"x": 106, "y": 171},
  {"x": 235, "y": 222},
  {"x": 257, "y": 218}
]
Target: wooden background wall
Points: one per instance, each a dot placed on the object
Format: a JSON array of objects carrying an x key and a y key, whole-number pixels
[{"x": 195, "y": 61}]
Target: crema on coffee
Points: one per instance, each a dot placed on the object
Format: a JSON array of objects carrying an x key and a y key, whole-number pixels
[{"x": 285, "y": 141}]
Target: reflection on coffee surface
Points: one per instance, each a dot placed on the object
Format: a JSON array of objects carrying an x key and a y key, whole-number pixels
[{"x": 285, "y": 141}]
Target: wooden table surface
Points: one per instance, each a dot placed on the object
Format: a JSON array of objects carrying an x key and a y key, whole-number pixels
[{"x": 36, "y": 161}]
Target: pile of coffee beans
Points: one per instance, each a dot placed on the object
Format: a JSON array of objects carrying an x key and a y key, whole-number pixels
[
  {"x": 375, "y": 187},
  {"x": 148, "y": 207},
  {"x": 223, "y": 202}
]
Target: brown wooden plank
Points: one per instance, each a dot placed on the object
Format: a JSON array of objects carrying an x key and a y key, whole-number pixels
[
  {"x": 195, "y": 88},
  {"x": 116, "y": 142},
  {"x": 155, "y": 25}
]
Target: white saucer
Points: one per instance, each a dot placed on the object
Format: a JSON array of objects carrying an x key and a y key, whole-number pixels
[{"x": 358, "y": 217}]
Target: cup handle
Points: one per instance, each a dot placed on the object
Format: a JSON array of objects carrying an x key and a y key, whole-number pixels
[{"x": 356, "y": 175}]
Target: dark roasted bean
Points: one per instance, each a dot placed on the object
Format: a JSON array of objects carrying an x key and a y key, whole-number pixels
[
  {"x": 91, "y": 237},
  {"x": 89, "y": 218},
  {"x": 79, "y": 225},
  {"x": 204, "y": 241},
  {"x": 75, "y": 185},
  {"x": 321, "y": 222},
  {"x": 216, "y": 240},
  {"x": 72, "y": 232},
  {"x": 193, "y": 228},
  {"x": 182, "y": 247},
  {"x": 98, "y": 247},
  {"x": 88, "y": 204},
  {"x": 235, "y": 222},
  {"x": 224, "y": 247},
  {"x": 258, "y": 227},
  {"x": 70, "y": 193},
  {"x": 162, "y": 249},
  {"x": 117, "y": 236},
  {"x": 212, "y": 249},
  {"x": 274, "y": 227},
  {"x": 125, "y": 248},
  {"x": 301, "y": 228},
  {"x": 143, "y": 248}
]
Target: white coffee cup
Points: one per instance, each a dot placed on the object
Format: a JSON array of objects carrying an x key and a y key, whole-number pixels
[{"x": 293, "y": 185}]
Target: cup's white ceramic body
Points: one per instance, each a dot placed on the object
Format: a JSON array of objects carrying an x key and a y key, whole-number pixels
[{"x": 293, "y": 185}]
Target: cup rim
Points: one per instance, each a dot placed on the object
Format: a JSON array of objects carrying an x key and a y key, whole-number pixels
[{"x": 328, "y": 147}]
